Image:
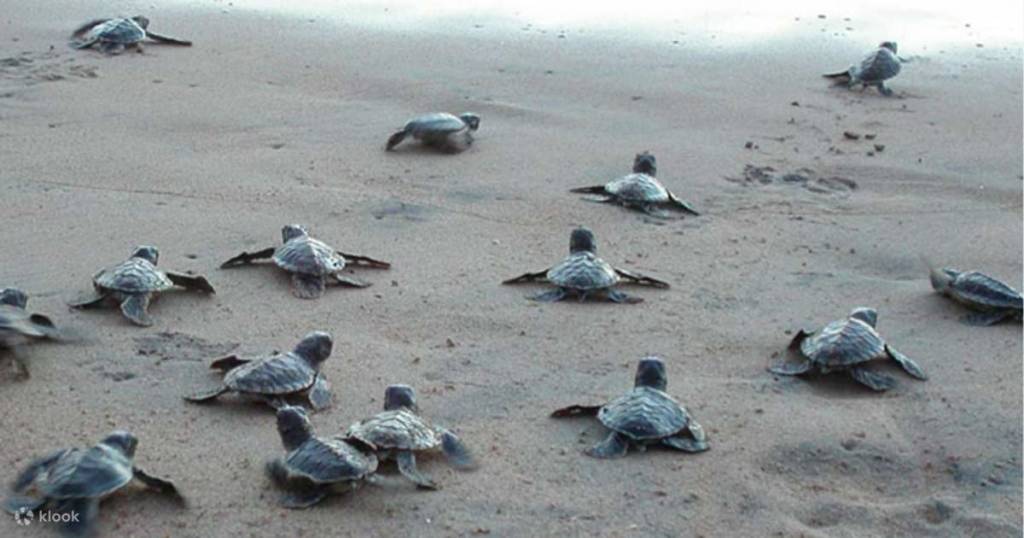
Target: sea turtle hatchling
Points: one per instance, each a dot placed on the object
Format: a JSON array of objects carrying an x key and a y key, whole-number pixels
[
  {"x": 73, "y": 481},
  {"x": 878, "y": 67},
  {"x": 441, "y": 130},
  {"x": 316, "y": 466},
  {"x": 583, "y": 274},
  {"x": 399, "y": 432},
  {"x": 18, "y": 326},
  {"x": 846, "y": 345},
  {"x": 639, "y": 190},
  {"x": 992, "y": 300},
  {"x": 276, "y": 377},
  {"x": 113, "y": 36},
  {"x": 646, "y": 415},
  {"x": 136, "y": 282},
  {"x": 310, "y": 261}
]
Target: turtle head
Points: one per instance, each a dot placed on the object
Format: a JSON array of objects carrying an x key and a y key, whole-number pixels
[
  {"x": 315, "y": 347},
  {"x": 294, "y": 426},
  {"x": 148, "y": 253},
  {"x": 13, "y": 297},
  {"x": 644, "y": 163},
  {"x": 471, "y": 119},
  {"x": 582, "y": 240},
  {"x": 291, "y": 231},
  {"x": 122, "y": 442},
  {"x": 400, "y": 396},
  {"x": 891, "y": 45},
  {"x": 942, "y": 278},
  {"x": 143, "y": 22},
  {"x": 650, "y": 372},
  {"x": 865, "y": 314}
]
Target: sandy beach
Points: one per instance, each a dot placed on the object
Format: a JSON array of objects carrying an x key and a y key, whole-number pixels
[{"x": 276, "y": 118}]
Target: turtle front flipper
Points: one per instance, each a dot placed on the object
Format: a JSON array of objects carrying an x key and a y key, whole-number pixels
[
  {"x": 228, "y": 363},
  {"x": 576, "y": 411},
  {"x": 455, "y": 451},
  {"x": 872, "y": 380},
  {"x": 396, "y": 139},
  {"x": 884, "y": 89},
  {"x": 320, "y": 395},
  {"x": 552, "y": 296},
  {"x": 528, "y": 277},
  {"x": 95, "y": 301},
  {"x": 682, "y": 205},
  {"x": 78, "y": 39},
  {"x": 695, "y": 442},
  {"x": 407, "y": 466},
  {"x": 906, "y": 363},
  {"x": 986, "y": 319},
  {"x": 641, "y": 280},
  {"x": 168, "y": 40},
  {"x": 364, "y": 260},
  {"x": 614, "y": 446},
  {"x": 350, "y": 281},
  {"x": 200, "y": 397},
  {"x": 159, "y": 484},
  {"x": 190, "y": 282},
  {"x": 87, "y": 509},
  {"x": 595, "y": 189},
  {"x": 246, "y": 258},
  {"x": 308, "y": 286},
  {"x": 135, "y": 307},
  {"x": 617, "y": 296}
]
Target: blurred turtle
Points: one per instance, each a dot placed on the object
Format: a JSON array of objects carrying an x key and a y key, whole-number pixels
[
  {"x": 310, "y": 261},
  {"x": 18, "y": 326},
  {"x": 878, "y": 67},
  {"x": 315, "y": 466},
  {"x": 583, "y": 274},
  {"x": 273, "y": 378},
  {"x": 399, "y": 432},
  {"x": 112, "y": 36},
  {"x": 136, "y": 282},
  {"x": 440, "y": 130},
  {"x": 645, "y": 415},
  {"x": 846, "y": 345},
  {"x": 992, "y": 300},
  {"x": 639, "y": 190},
  {"x": 73, "y": 481}
]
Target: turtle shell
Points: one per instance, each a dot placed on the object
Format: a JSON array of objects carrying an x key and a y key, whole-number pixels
[
  {"x": 125, "y": 31},
  {"x": 399, "y": 429},
  {"x": 85, "y": 473},
  {"x": 638, "y": 188},
  {"x": 878, "y": 66},
  {"x": 16, "y": 323},
  {"x": 280, "y": 374},
  {"x": 308, "y": 256},
  {"x": 583, "y": 271},
  {"x": 330, "y": 460},
  {"x": 438, "y": 123},
  {"x": 843, "y": 343},
  {"x": 134, "y": 275},
  {"x": 644, "y": 413},
  {"x": 984, "y": 292}
]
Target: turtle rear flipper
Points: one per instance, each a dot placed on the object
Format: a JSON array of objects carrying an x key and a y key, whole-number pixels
[
  {"x": 111, "y": 47},
  {"x": 682, "y": 205},
  {"x": 407, "y": 466},
  {"x": 552, "y": 296},
  {"x": 528, "y": 277},
  {"x": 320, "y": 395},
  {"x": 195, "y": 283},
  {"x": 95, "y": 301},
  {"x": 19, "y": 503},
  {"x": 135, "y": 307},
  {"x": 246, "y": 258},
  {"x": 641, "y": 280},
  {"x": 617, "y": 296},
  {"x": 308, "y": 286},
  {"x": 168, "y": 40},
  {"x": 838, "y": 75},
  {"x": 576, "y": 410},
  {"x": 906, "y": 363},
  {"x": 159, "y": 484},
  {"x": 302, "y": 498},
  {"x": 349, "y": 281},
  {"x": 873, "y": 380},
  {"x": 364, "y": 260},
  {"x": 456, "y": 452},
  {"x": 87, "y": 509},
  {"x": 29, "y": 474},
  {"x": 396, "y": 139},
  {"x": 228, "y": 363},
  {"x": 986, "y": 319},
  {"x": 696, "y": 441},
  {"x": 614, "y": 446},
  {"x": 791, "y": 367},
  {"x": 206, "y": 396}
]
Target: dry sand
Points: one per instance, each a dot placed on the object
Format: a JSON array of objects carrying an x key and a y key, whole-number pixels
[{"x": 269, "y": 120}]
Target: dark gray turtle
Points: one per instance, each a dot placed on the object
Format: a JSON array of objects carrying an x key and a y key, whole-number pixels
[
  {"x": 18, "y": 326},
  {"x": 275, "y": 377},
  {"x": 846, "y": 345},
  {"x": 583, "y": 274},
  {"x": 112, "y": 36},
  {"x": 639, "y": 190},
  {"x": 310, "y": 261},
  {"x": 74, "y": 481},
  {"x": 399, "y": 432},
  {"x": 643, "y": 416},
  {"x": 878, "y": 67},
  {"x": 992, "y": 300},
  {"x": 136, "y": 282},
  {"x": 441, "y": 130},
  {"x": 316, "y": 466}
]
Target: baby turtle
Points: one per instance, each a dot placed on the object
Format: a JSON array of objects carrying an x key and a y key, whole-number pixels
[
  {"x": 112, "y": 36},
  {"x": 74, "y": 480},
  {"x": 18, "y": 326},
  {"x": 643, "y": 416},
  {"x": 310, "y": 261},
  {"x": 399, "y": 432},
  {"x": 441, "y": 130},
  {"x": 992, "y": 300},
  {"x": 315, "y": 466},
  {"x": 583, "y": 274},
  {"x": 846, "y": 345},
  {"x": 878, "y": 67},
  {"x": 639, "y": 190},
  {"x": 275, "y": 377},
  {"x": 135, "y": 282}
]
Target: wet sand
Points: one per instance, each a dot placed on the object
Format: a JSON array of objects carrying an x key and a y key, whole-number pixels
[{"x": 208, "y": 151}]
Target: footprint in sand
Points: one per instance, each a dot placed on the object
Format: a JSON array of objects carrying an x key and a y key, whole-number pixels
[
  {"x": 804, "y": 178},
  {"x": 181, "y": 347}
]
